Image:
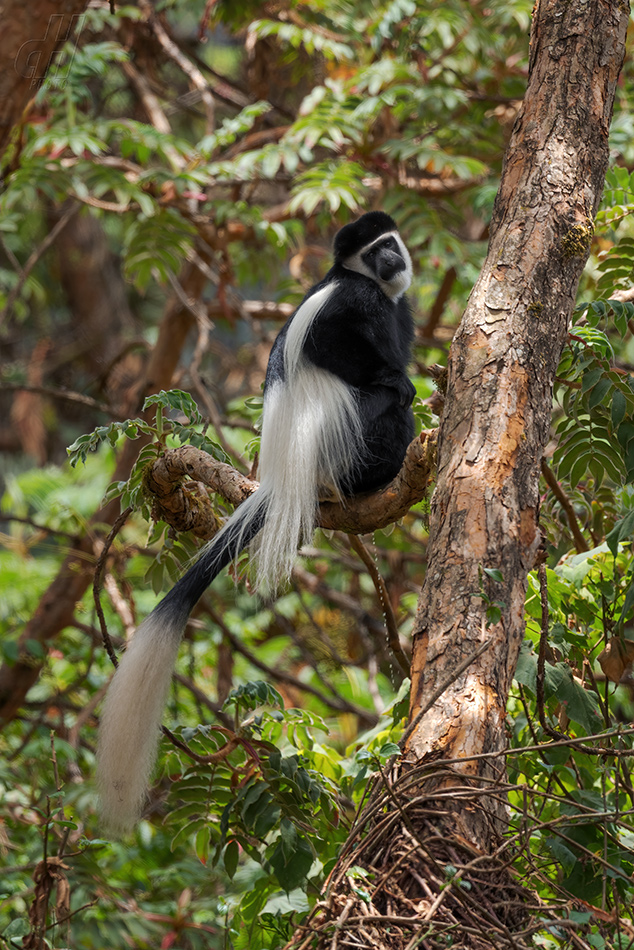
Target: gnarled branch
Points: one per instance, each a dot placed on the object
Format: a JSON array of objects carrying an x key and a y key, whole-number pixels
[{"x": 185, "y": 504}]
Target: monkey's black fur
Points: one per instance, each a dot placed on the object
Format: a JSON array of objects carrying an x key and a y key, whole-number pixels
[
  {"x": 337, "y": 419},
  {"x": 364, "y": 338}
]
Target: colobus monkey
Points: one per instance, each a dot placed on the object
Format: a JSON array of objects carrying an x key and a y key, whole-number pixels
[{"x": 337, "y": 421}]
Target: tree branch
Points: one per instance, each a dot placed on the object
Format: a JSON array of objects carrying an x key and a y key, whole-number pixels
[
  {"x": 195, "y": 76},
  {"x": 34, "y": 258},
  {"x": 179, "y": 504},
  {"x": 564, "y": 501}
]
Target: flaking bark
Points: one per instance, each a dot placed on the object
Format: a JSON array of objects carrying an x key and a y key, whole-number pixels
[{"x": 485, "y": 509}]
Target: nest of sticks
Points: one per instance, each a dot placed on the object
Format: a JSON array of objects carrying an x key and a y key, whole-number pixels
[{"x": 407, "y": 878}]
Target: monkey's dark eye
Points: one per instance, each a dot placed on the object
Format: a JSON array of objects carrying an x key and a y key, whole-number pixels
[{"x": 389, "y": 244}]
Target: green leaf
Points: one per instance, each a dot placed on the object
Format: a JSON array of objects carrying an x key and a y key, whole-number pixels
[
  {"x": 628, "y": 603},
  {"x": 526, "y": 669},
  {"x": 78, "y": 451},
  {"x": 175, "y": 399},
  {"x": 591, "y": 378},
  {"x": 625, "y": 435},
  {"x": 333, "y": 183},
  {"x": 288, "y": 838},
  {"x": 618, "y": 408},
  {"x": 252, "y": 904},
  {"x": 291, "y": 864},
  {"x": 562, "y": 854},
  {"x": 202, "y": 843},
  {"x": 34, "y": 648},
  {"x": 388, "y": 749},
  {"x": 19, "y": 927},
  {"x": 580, "y": 705},
  {"x": 230, "y": 858},
  {"x": 494, "y": 573},
  {"x": 622, "y": 531},
  {"x": 253, "y": 694},
  {"x": 599, "y": 392},
  {"x": 580, "y": 468}
]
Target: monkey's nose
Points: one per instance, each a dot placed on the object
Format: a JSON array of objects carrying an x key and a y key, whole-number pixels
[{"x": 390, "y": 265}]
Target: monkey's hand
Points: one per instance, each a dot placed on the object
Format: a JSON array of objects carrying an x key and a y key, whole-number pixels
[
  {"x": 404, "y": 387},
  {"x": 402, "y": 384},
  {"x": 406, "y": 391}
]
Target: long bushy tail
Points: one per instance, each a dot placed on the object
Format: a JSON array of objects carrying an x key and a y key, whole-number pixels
[
  {"x": 311, "y": 437},
  {"x": 131, "y": 717}
]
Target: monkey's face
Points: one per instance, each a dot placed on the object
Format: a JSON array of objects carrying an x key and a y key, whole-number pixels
[{"x": 386, "y": 261}]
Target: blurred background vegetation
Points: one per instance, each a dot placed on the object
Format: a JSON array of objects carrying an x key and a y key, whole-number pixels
[{"x": 170, "y": 194}]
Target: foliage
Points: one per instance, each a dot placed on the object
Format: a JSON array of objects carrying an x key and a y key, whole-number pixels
[
  {"x": 596, "y": 432},
  {"x": 579, "y": 828},
  {"x": 133, "y": 492},
  {"x": 283, "y": 711}
]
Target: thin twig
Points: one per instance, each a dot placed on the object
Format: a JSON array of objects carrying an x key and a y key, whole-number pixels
[
  {"x": 391, "y": 626},
  {"x": 196, "y": 77},
  {"x": 99, "y": 568},
  {"x": 190, "y": 304},
  {"x": 341, "y": 921},
  {"x": 564, "y": 501},
  {"x": 212, "y": 758},
  {"x": 205, "y": 326},
  {"x": 334, "y": 702},
  {"x": 64, "y": 394},
  {"x": 154, "y": 110},
  {"x": 34, "y": 257},
  {"x": 15, "y": 263},
  {"x": 41, "y": 529}
]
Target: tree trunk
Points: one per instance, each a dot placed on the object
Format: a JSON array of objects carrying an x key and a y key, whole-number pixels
[
  {"x": 443, "y": 808},
  {"x": 32, "y": 33},
  {"x": 485, "y": 509},
  {"x": 102, "y": 321}
]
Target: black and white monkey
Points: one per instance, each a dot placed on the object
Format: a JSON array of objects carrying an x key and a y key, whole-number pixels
[{"x": 337, "y": 421}]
